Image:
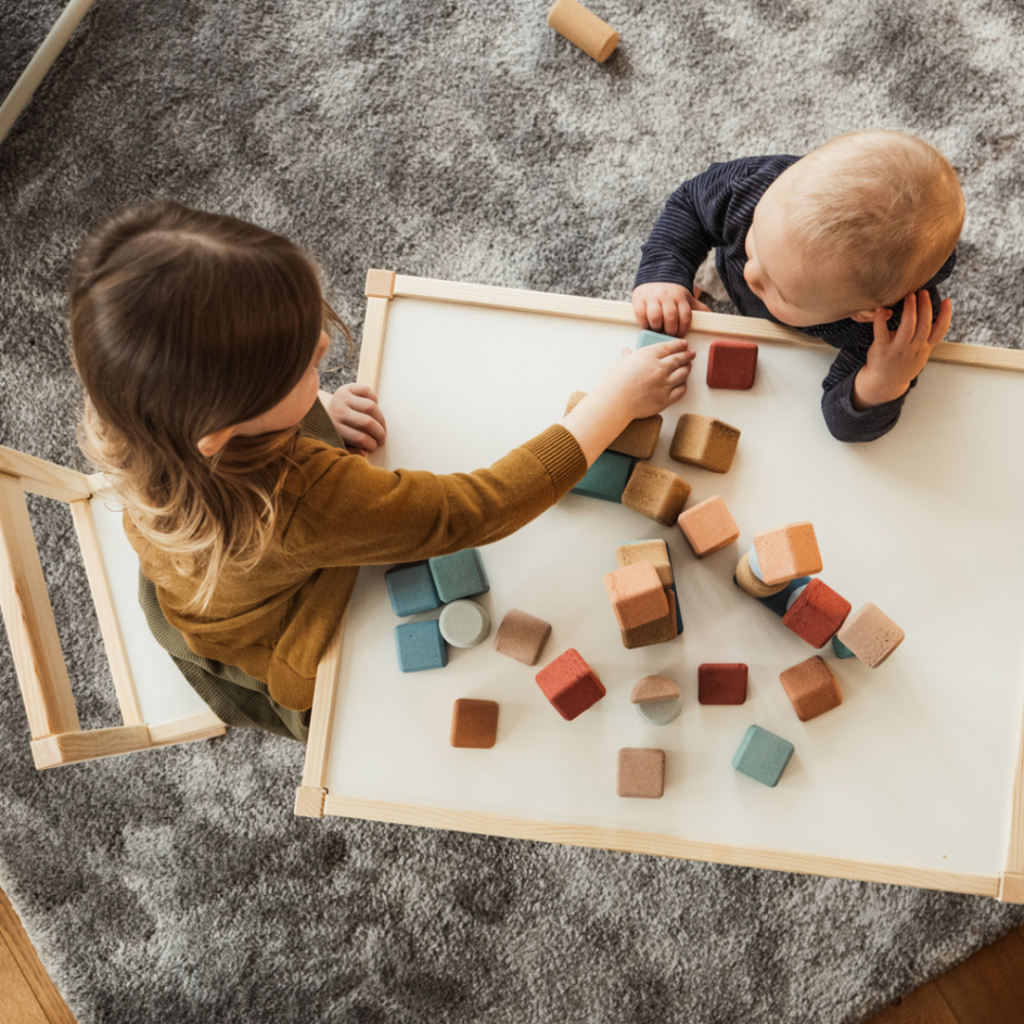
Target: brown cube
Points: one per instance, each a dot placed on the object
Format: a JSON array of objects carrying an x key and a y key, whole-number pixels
[
  {"x": 657, "y": 632},
  {"x": 522, "y": 636},
  {"x": 708, "y": 527},
  {"x": 641, "y": 772},
  {"x": 722, "y": 683},
  {"x": 656, "y": 493},
  {"x": 474, "y": 723},
  {"x": 637, "y": 594},
  {"x": 653, "y": 551},
  {"x": 704, "y": 441},
  {"x": 640, "y": 437},
  {"x": 787, "y": 552},
  {"x": 871, "y": 635},
  {"x": 811, "y": 688}
]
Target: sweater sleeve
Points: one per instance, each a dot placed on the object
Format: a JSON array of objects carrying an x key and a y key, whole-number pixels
[{"x": 354, "y": 513}]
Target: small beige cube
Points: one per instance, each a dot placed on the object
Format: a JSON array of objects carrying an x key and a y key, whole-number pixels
[
  {"x": 656, "y": 493},
  {"x": 704, "y": 441},
  {"x": 653, "y": 551},
  {"x": 871, "y": 635},
  {"x": 641, "y": 772},
  {"x": 708, "y": 527}
]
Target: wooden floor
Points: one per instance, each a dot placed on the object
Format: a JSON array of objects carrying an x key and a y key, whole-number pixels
[{"x": 987, "y": 989}]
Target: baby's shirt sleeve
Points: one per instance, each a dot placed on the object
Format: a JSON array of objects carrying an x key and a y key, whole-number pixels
[{"x": 710, "y": 210}]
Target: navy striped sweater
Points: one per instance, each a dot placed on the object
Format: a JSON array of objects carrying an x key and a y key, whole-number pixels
[{"x": 714, "y": 210}]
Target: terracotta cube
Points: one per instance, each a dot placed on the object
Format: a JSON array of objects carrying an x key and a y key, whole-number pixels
[
  {"x": 640, "y": 772},
  {"x": 732, "y": 364},
  {"x": 522, "y": 636},
  {"x": 704, "y": 441},
  {"x": 638, "y": 440},
  {"x": 811, "y": 688},
  {"x": 656, "y": 493},
  {"x": 871, "y": 635},
  {"x": 708, "y": 527},
  {"x": 570, "y": 684},
  {"x": 637, "y": 595},
  {"x": 786, "y": 552},
  {"x": 722, "y": 683},
  {"x": 658, "y": 632},
  {"x": 474, "y": 723},
  {"x": 816, "y": 613},
  {"x": 653, "y": 551}
]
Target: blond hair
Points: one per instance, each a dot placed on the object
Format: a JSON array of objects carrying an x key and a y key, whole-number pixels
[
  {"x": 885, "y": 206},
  {"x": 182, "y": 323}
]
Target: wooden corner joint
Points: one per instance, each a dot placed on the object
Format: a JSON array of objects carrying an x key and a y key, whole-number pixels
[
  {"x": 1011, "y": 887},
  {"x": 380, "y": 284},
  {"x": 309, "y": 801}
]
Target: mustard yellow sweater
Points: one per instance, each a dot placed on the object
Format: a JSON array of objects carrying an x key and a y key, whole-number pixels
[{"x": 336, "y": 513}]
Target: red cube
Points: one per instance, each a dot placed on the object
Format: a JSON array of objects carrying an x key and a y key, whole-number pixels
[
  {"x": 570, "y": 684},
  {"x": 722, "y": 683},
  {"x": 817, "y": 614},
  {"x": 732, "y": 364}
]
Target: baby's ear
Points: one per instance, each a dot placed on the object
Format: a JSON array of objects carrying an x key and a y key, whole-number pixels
[{"x": 867, "y": 316}]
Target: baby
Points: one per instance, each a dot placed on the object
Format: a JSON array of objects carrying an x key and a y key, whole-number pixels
[{"x": 846, "y": 244}]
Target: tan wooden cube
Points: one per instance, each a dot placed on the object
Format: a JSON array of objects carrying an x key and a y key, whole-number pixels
[
  {"x": 638, "y": 440},
  {"x": 704, "y": 441},
  {"x": 653, "y": 551},
  {"x": 656, "y": 493}
]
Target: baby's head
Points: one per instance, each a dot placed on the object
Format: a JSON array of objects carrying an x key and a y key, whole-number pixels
[{"x": 855, "y": 225}]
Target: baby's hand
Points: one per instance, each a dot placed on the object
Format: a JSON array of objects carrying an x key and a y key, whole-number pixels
[
  {"x": 354, "y": 411},
  {"x": 660, "y": 306},
  {"x": 896, "y": 358}
]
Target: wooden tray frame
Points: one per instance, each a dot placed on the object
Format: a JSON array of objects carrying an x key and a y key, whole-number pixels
[
  {"x": 57, "y": 734},
  {"x": 312, "y": 798}
]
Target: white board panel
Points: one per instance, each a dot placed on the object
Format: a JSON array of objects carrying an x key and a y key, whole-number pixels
[{"x": 915, "y": 768}]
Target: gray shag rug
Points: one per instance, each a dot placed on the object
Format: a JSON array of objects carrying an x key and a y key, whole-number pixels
[{"x": 462, "y": 141}]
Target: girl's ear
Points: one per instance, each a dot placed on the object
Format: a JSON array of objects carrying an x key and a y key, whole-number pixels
[{"x": 212, "y": 443}]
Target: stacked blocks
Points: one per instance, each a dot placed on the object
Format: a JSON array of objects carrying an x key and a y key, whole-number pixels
[
  {"x": 522, "y": 636},
  {"x": 732, "y": 364},
  {"x": 816, "y": 613},
  {"x": 779, "y": 602},
  {"x": 811, "y": 688},
  {"x": 641, "y": 772},
  {"x": 708, "y": 527},
  {"x": 762, "y": 755},
  {"x": 655, "y": 552},
  {"x": 704, "y": 441},
  {"x": 749, "y": 581},
  {"x": 656, "y": 493},
  {"x": 464, "y": 623},
  {"x": 411, "y": 589},
  {"x": 638, "y": 440},
  {"x": 657, "y": 632},
  {"x": 607, "y": 477},
  {"x": 420, "y": 646},
  {"x": 459, "y": 575},
  {"x": 786, "y": 552},
  {"x": 657, "y": 700},
  {"x": 637, "y": 595},
  {"x": 722, "y": 683},
  {"x": 871, "y": 635},
  {"x": 474, "y": 723},
  {"x": 570, "y": 684}
]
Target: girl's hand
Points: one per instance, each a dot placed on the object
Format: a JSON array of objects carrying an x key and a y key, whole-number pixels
[
  {"x": 357, "y": 417},
  {"x": 895, "y": 358}
]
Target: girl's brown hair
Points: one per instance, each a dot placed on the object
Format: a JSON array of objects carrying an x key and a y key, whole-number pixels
[{"x": 182, "y": 323}]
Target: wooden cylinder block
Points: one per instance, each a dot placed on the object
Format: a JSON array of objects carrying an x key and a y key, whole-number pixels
[{"x": 594, "y": 37}]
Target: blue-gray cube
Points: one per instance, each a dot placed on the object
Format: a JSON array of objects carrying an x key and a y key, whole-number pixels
[
  {"x": 607, "y": 477},
  {"x": 459, "y": 575},
  {"x": 651, "y": 338},
  {"x": 763, "y": 755},
  {"x": 411, "y": 589},
  {"x": 420, "y": 646}
]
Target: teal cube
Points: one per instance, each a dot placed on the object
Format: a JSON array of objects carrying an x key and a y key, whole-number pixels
[
  {"x": 459, "y": 575},
  {"x": 420, "y": 646},
  {"x": 763, "y": 755},
  {"x": 651, "y": 338},
  {"x": 411, "y": 589},
  {"x": 607, "y": 477}
]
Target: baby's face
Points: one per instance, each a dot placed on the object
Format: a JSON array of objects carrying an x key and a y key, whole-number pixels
[{"x": 797, "y": 290}]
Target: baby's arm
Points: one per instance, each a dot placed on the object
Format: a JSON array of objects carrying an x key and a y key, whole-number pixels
[{"x": 357, "y": 417}]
